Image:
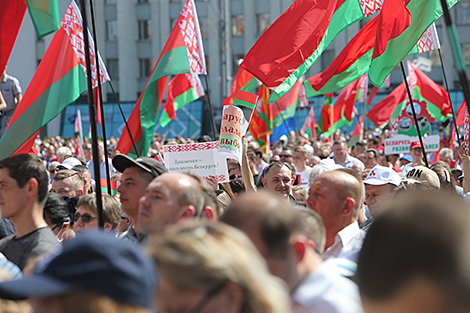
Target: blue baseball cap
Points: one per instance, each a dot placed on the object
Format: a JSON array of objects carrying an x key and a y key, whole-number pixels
[
  {"x": 407, "y": 157},
  {"x": 94, "y": 262}
]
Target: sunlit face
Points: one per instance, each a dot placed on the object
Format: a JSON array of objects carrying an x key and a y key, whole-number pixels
[
  {"x": 298, "y": 159},
  {"x": 369, "y": 160},
  {"x": 340, "y": 153},
  {"x": 65, "y": 187},
  {"x": 376, "y": 196},
  {"x": 12, "y": 197},
  {"x": 85, "y": 213},
  {"x": 279, "y": 179},
  {"x": 131, "y": 189}
]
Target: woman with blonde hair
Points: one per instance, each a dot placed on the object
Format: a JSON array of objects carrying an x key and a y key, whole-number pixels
[{"x": 213, "y": 267}]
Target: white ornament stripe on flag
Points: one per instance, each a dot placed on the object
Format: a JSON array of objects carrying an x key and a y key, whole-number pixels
[
  {"x": 73, "y": 26},
  {"x": 196, "y": 84},
  {"x": 429, "y": 41},
  {"x": 189, "y": 26}
]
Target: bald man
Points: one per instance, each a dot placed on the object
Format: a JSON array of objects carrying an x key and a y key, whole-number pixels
[
  {"x": 337, "y": 197},
  {"x": 168, "y": 199}
]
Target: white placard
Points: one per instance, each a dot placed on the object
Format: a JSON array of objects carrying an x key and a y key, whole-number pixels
[
  {"x": 401, "y": 144},
  {"x": 201, "y": 159}
]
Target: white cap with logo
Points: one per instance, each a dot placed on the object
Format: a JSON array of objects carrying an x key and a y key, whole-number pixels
[{"x": 381, "y": 175}]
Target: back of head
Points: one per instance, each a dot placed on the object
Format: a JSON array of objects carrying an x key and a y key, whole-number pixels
[
  {"x": 23, "y": 167},
  {"x": 204, "y": 257},
  {"x": 56, "y": 209},
  {"x": 77, "y": 179},
  {"x": 275, "y": 218},
  {"x": 421, "y": 235},
  {"x": 349, "y": 184}
]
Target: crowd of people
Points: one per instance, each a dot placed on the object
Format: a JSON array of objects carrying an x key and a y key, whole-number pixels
[{"x": 313, "y": 226}]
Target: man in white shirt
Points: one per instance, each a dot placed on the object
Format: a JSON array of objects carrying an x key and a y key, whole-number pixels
[
  {"x": 291, "y": 240},
  {"x": 90, "y": 164},
  {"x": 341, "y": 155},
  {"x": 337, "y": 197}
]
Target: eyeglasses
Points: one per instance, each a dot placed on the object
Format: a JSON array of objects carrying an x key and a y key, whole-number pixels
[
  {"x": 86, "y": 218},
  {"x": 285, "y": 156},
  {"x": 208, "y": 296},
  {"x": 52, "y": 171}
]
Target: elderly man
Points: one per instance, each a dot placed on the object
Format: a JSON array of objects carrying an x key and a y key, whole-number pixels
[
  {"x": 337, "y": 197},
  {"x": 341, "y": 156},
  {"x": 381, "y": 184},
  {"x": 136, "y": 175},
  {"x": 168, "y": 199},
  {"x": 291, "y": 240}
]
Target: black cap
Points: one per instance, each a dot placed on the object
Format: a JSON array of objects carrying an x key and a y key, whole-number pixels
[
  {"x": 93, "y": 261},
  {"x": 151, "y": 166}
]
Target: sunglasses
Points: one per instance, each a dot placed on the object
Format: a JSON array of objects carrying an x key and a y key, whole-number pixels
[
  {"x": 86, "y": 218},
  {"x": 285, "y": 156}
]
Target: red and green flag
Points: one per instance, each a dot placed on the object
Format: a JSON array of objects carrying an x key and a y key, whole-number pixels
[
  {"x": 244, "y": 81},
  {"x": 245, "y": 99},
  {"x": 380, "y": 114},
  {"x": 358, "y": 132},
  {"x": 104, "y": 186},
  {"x": 284, "y": 108},
  {"x": 352, "y": 62},
  {"x": 182, "y": 90},
  {"x": 45, "y": 16},
  {"x": 59, "y": 80},
  {"x": 309, "y": 125},
  {"x": 327, "y": 115},
  {"x": 11, "y": 17},
  {"x": 292, "y": 44},
  {"x": 182, "y": 53},
  {"x": 398, "y": 30},
  {"x": 261, "y": 125},
  {"x": 461, "y": 113}
]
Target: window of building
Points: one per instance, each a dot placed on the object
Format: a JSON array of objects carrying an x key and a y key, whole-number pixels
[
  {"x": 144, "y": 29},
  {"x": 145, "y": 67},
  {"x": 263, "y": 22},
  {"x": 466, "y": 53},
  {"x": 143, "y": 1},
  {"x": 326, "y": 58},
  {"x": 238, "y": 25},
  {"x": 111, "y": 30},
  {"x": 110, "y": 1},
  {"x": 462, "y": 12},
  {"x": 204, "y": 26},
  {"x": 112, "y": 66}
]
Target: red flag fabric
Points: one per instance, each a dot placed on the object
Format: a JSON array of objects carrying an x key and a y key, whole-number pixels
[
  {"x": 347, "y": 98},
  {"x": 372, "y": 94},
  {"x": 241, "y": 80},
  {"x": 461, "y": 113},
  {"x": 11, "y": 17},
  {"x": 381, "y": 112}
]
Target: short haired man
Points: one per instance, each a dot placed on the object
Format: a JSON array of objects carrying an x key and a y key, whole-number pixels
[
  {"x": 415, "y": 257},
  {"x": 416, "y": 154},
  {"x": 23, "y": 192},
  {"x": 234, "y": 169},
  {"x": 68, "y": 183},
  {"x": 381, "y": 185},
  {"x": 371, "y": 158},
  {"x": 279, "y": 177},
  {"x": 300, "y": 163},
  {"x": 169, "y": 198},
  {"x": 291, "y": 240},
  {"x": 341, "y": 155},
  {"x": 102, "y": 162},
  {"x": 358, "y": 149},
  {"x": 136, "y": 175},
  {"x": 337, "y": 197},
  {"x": 260, "y": 163},
  {"x": 372, "y": 143},
  {"x": 84, "y": 171},
  {"x": 286, "y": 155}
]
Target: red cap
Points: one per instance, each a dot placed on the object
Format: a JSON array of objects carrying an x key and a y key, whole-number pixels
[{"x": 415, "y": 144}]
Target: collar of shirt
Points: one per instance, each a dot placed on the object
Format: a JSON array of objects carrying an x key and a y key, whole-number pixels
[{"x": 342, "y": 239}]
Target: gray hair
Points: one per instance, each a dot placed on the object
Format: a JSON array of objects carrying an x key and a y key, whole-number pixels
[
  {"x": 317, "y": 170},
  {"x": 445, "y": 153}
]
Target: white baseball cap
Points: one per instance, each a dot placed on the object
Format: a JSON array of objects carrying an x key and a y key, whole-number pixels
[
  {"x": 381, "y": 175},
  {"x": 69, "y": 163}
]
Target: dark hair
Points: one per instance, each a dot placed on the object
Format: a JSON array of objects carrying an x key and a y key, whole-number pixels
[
  {"x": 376, "y": 154},
  {"x": 237, "y": 185},
  {"x": 23, "y": 167},
  {"x": 280, "y": 165},
  {"x": 56, "y": 209},
  {"x": 81, "y": 169},
  {"x": 429, "y": 240}
]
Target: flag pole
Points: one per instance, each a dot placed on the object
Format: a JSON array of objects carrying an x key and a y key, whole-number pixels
[
  {"x": 456, "y": 53},
  {"x": 332, "y": 115},
  {"x": 91, "y": 108},
  {"x": 364, "y": 113},
  {"x": 210, "y": 108},
  {"x": 100, "y": 99},
  {"x": 124, "y": 119},
  {"x": 414, "y": 114},
  {"x": 450, "y": 101}
]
